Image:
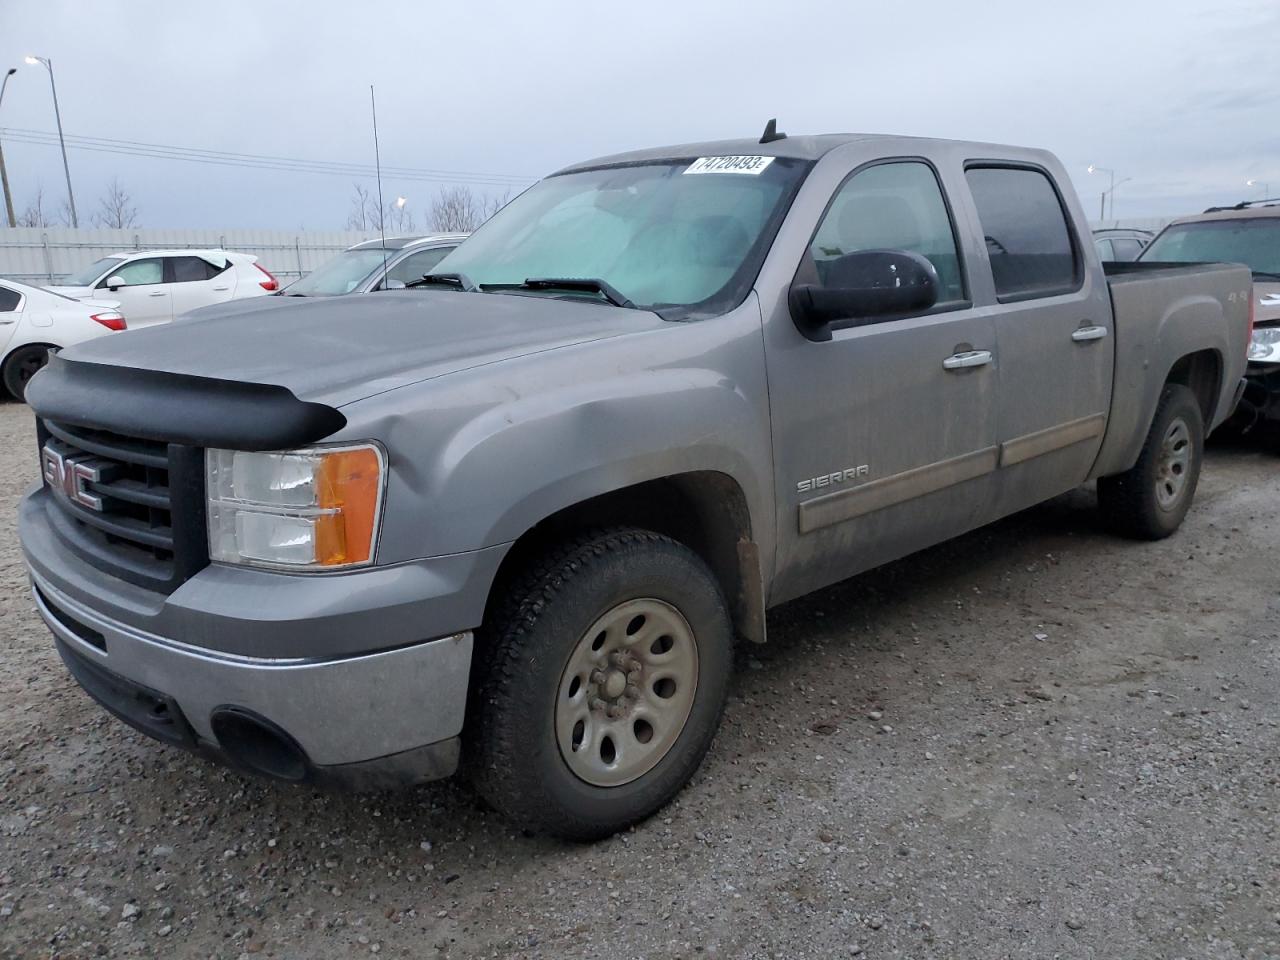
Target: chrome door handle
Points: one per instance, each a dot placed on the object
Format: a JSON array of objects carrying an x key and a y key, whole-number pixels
[
  {"x": 970, "y": 358},
  {"x": 158, "y": 293},
  {"x": 221, "y": 289},
  {"x": 1085, "y": 334}
]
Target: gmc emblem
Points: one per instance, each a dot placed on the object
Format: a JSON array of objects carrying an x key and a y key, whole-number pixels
[{"x": 68, "y": 476}]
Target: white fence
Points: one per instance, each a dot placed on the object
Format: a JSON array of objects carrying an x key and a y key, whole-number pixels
[{"x": 44, "y": 255}]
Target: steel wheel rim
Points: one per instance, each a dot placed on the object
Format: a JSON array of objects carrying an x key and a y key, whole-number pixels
[
  {"x": 1174, "y": 465},
  {"x": 626, "y": 692}
]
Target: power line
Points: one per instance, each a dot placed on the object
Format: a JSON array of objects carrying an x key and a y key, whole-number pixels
[{"x": 257, "y": 161}]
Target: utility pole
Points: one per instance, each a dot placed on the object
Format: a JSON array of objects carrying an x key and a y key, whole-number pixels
[
  {"x": 4, "y": 174},
  {"x": 57, "y": 114}
]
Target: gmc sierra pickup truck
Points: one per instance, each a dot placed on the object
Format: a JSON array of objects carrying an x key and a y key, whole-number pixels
[{"x": 513, "y": 518}]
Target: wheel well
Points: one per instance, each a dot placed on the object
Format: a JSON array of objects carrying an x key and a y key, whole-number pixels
[
  {"x": 1201, "y": 372},
  {"x": 706, "y": 511}
]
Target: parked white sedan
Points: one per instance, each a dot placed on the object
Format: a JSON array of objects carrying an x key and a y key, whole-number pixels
[
  {"x": 35, "y": 322},
  {"x": 154, "y": 286}
]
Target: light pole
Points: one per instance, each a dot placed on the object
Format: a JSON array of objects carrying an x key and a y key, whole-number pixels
[
  {"x": 71, "y": 197},
  {"x": 1266, "y": 189},
  {"x": 1113, "y": 194},
  {"x": 1094, "y": 168},
  {"x": 4, "y": 174}
]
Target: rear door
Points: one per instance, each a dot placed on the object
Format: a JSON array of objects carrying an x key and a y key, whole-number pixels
[
  {"x": 1053, "y": 330},
  {"x": 885, "y": 435},
  {"x": 195, "y": 282},
  {"x": 145, "y": 299},
  {"x": 12, "y": 304}
]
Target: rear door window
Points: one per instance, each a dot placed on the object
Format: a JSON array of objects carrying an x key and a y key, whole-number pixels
[
  {"x": 9, "y": 300},
  {"x": 1127, "y": 248},
  {"x": 1027, "y": 236},
  {"x": 415, "y": 265},
  {"x": 190, "y": 269}
]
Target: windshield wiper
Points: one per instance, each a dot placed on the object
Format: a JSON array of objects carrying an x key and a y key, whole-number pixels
[
  {"x": 587, "y": 284},
  {"x": 459, "y": 280},
  {"x": 1265, "y": 275}
]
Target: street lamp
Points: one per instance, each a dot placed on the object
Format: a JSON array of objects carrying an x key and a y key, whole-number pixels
[
  {"x": 400, "y": 202},
  {"x": 1266, "y": 189},
  {"x": 71, "y": 197},
  {"x": 4, "y": 175},
  {"x": 1094, "y": 168}
]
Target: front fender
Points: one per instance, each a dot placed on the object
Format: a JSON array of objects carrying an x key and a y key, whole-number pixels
[{"x": 479, "y": 458}]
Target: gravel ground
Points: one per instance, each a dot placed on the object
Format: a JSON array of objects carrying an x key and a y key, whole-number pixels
[{"x": 1035, "y": 741}]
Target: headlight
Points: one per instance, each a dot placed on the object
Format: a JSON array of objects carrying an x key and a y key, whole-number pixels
[
  {"x": 1265, "y": 345},
  {"x": 301, "y": 509}
]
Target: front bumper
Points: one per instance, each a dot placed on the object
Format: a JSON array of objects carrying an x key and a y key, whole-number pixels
[
  {"x": 384, "y": 719},
  {"x": 362, "y": 676}
]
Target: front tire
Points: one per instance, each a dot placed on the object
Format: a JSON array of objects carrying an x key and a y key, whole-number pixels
[
  {"x": 601, "y": 683},
  {"x": 1150, "y": 500},
  {"x": 21, "y": 365}
]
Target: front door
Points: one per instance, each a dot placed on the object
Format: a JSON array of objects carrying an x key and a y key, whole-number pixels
[
  {"x": 1053, "y": 330},
  {"x": 144, "y": 297},
  {"x": 885, "y": 435}
]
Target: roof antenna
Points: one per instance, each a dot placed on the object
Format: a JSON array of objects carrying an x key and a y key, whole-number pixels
[
  {"x": 382, "y": 211},
  {"x": 771, "y": 132}
]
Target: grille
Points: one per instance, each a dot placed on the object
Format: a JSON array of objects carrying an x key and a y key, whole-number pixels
[{"x": 131, "y": 507}]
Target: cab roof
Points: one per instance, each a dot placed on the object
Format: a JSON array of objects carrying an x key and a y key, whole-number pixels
[
  {"x": 811, "y": 147},
  {"x": 1267, "y": 209}
]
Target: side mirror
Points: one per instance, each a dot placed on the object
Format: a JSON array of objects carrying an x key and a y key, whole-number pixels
[
  {"x": 393, "y": 284},
  {"x": 864, "y": 286},
  {"x": 115, "y": 282}
]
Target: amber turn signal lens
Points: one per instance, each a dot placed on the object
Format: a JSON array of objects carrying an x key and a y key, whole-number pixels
[{"x": 348, "y": 486}]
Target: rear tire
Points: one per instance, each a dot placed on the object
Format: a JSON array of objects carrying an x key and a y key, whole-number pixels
[
  {"x": 1150, "y": 500},
  {"x": 21, "y": 365},
  {"x": 600, "y": 684}
]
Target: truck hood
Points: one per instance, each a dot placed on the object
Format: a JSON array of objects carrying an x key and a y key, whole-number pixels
[{"x": 338, "y": 350}]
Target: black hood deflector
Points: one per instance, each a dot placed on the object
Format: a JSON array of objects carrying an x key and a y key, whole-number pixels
[{"x": 178, "y": 408}]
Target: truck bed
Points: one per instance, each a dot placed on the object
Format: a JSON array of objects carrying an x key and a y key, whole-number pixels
[{"x": 1158, "y": 308}]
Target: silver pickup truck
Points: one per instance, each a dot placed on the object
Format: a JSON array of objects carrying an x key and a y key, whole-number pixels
[{"x": 514, "y": 518}]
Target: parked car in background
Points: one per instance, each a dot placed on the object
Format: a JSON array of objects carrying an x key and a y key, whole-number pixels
[
  {"x": 364, "y": 268},
  {"x": 1120, "y": 244},
  {"x": 523, "y": 510},
  {"x": 154, "y": 286},
  {"x": 35, "y": 321},
  {"x": 1250, "y": 234},
  {"x": 360, "y": 269}
]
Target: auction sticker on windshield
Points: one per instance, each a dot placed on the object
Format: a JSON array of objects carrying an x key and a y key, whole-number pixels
[{"x": 753, "y": 166}]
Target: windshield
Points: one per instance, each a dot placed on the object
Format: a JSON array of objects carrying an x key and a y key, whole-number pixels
[
  {"x": 90, "y": 274},
  {"x": 662, "y": 239},
  {"x": 340, "y": 275},
  {"x": 1253, "y": 241}
]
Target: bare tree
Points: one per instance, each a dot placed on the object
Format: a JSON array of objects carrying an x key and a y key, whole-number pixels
[
  {"x": 493, "y": 204},
  {"x": 456, "y": 210},
  {"x": 364, "y": 212},
  {"x": 399, "y": 219},
  {"x": 64, "y": 214},
  {"x": 34, "y": 215},
  {"x": 116, "y": 209}
]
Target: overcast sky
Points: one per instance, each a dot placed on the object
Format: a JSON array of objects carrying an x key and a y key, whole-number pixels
[{"x": 1184, "y": 97}]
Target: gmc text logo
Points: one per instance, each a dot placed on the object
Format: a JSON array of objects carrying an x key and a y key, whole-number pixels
[{"x": 68, "y": 476}]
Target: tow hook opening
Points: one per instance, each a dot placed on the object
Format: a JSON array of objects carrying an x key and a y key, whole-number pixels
[{"x": 258, "y": 744}]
